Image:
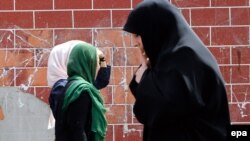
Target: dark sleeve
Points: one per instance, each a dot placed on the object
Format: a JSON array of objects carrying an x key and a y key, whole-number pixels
[
  {"x": 133, "y": 85},
  {"x": 79, "y": 117},
  {"x": 160, "y": 98}
]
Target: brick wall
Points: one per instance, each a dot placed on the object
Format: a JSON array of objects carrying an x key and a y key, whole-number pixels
[{"x": 30, "y": 28}]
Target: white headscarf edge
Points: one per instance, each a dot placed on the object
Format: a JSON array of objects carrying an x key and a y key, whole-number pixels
[{"x": 57, "y": 62}]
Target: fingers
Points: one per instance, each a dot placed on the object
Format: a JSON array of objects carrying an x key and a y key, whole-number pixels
[{"x": 101, "y": 57}]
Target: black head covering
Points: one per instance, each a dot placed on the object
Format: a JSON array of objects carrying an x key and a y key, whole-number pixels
[{"x": 164, "y": 30}]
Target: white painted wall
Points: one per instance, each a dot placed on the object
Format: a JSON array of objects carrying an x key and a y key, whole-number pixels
[{"x": 25, "y": 117}]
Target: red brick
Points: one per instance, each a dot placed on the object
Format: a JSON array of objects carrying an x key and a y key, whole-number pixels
[
  {"x": 191, "y": 3},
  {"x": 240, "y": 55},
  {"x": 120, "y": 57},
  {"x": 126, "y": 56},
  {"x": 73, "y": 4},
  {"x": 16, "y": 58},
  {"x": 186, "y": 14},
  {"x": 119, "y": 17},
  {"x": 64, "y": 35},
  {"x": 109, "y": 135},
  {"x": 240, "y": 16},
  {"x": 234, "y": 36},
  {"x": 128, "y": 132},
  {"x": 117, "y": 114},
  {"x": 105, "y": 4},
  {"x": 133, "y": 56},
  {"x": 42, "y": 56},
  {"x": 241, "y": 93},
  {"x": 229, "y": 93},
  {"x": 222, "y": 54},
  {"x": 33, "y": 5},
  {"x": 7, "y": 39},
  {"x": 213, "y": 16},
  {"x": 6, "y": 5},
  {"x": 53, "y": 19},
  {"x": 107, "y": 94},
  {"x": 16, "y": 20},
  {"x": 130, "y": 99},
  {"x": 229, "y": 2},
  {"x": 122, "y": 95},
  {"x": 203, "y": 33},
  {"x": 120, "y": 75},
  {"x": 135, "y": 2},
  {"x": 240, "y": 112},
  {"x": 31, "y": 77},
  {"x": 34, "y": 38},
  {"x": 226, "y": 73},
  {"x": 99, "y": 18},
  {"x": 43, "y": 93},
  {"x": 6, "y": 77},
  {"x": 112, "y": 38},
  {"x": 240, "y": 74},
  {"x": 107, "y": 51}
]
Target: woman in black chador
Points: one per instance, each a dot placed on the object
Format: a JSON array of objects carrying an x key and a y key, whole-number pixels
[{"x": 179, "y": 91}]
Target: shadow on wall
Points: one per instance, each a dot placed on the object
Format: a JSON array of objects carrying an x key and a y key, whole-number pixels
[{"x": 24, "y": 117}]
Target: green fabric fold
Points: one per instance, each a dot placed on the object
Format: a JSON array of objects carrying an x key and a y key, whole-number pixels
[{"x": 81, "y": 69}]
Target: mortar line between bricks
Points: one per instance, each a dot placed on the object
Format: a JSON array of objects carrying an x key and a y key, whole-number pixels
[
  {"x": 53, "y": 38},
  {"x": 73, "y": 19},
  {"x": 92, "y": 4},
  {"x": 34, "y": 20},
  {"x": 48, "y": 28},
  {"x": 230, "y": 18},
  {"x": 65, "y": 10},
  {"x": 53, "y": 5},
  {"x": 111, "y": 18},
  {"x": 14, "y": 5},
  {"x": 248, "y": 123},
  {"x": 107, "y": 9},
  {"x": 239, "y": 102}
]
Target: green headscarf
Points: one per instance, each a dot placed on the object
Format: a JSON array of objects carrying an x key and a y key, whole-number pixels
[{"x": 82, "y": 69}]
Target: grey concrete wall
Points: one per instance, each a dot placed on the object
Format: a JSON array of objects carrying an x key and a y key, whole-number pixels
[{"x": 25, "y": 117}]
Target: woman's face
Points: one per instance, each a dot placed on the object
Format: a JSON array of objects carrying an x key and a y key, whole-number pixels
[{"x": 138, "y": 41}]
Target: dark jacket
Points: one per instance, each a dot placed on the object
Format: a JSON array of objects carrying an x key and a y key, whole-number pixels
[
  {"x": 187, "y": 106},
  {"x": 75, "y": 123}
]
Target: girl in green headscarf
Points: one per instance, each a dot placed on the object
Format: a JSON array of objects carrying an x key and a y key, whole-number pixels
[{"x": 82, "y": 117}]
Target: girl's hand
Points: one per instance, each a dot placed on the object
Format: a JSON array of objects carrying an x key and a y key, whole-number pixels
[{"x": 101, "y": 57}]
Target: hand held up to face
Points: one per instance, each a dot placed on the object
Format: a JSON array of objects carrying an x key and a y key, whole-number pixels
[
  {"x": 102, "y": 71},
  {"x": 101, "y": 58}
]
